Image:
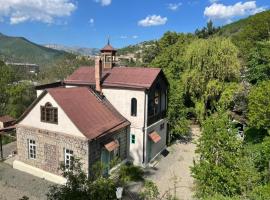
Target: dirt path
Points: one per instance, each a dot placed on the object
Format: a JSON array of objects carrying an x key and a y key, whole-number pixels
[
  {"x": 15, "y": 184},
  {"x": 174, "y": 169}
]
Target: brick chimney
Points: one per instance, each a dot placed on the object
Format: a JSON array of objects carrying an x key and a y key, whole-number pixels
[{"x": 98, "y": 73}]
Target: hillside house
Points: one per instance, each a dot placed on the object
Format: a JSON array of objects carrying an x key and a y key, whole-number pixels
[{"x": 97, "y": 114}]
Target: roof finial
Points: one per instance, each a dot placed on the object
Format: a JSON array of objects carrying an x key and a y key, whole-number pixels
[{"x": 108, "y": 40}]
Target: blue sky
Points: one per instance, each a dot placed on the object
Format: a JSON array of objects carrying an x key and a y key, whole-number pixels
[{"x": 88, "y": 23}]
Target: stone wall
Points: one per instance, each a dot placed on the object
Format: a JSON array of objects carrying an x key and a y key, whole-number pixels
[{"x": 50, "y": 148}]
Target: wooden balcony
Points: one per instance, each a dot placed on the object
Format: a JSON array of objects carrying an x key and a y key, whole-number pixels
[{"x": 155, "y": 118}]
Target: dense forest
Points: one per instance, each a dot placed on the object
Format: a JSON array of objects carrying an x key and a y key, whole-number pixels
[{"x": 220, "y": 76}]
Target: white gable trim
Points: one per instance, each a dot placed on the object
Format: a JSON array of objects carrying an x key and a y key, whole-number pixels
[{"x": 65, "y": 124}]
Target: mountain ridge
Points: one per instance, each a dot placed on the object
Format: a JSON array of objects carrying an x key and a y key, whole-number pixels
[
  {"x": 20, "y": 49},
  {"x": 84, "y": 51}
]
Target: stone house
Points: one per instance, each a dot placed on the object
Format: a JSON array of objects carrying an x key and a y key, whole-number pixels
[
  {"x": 69, "y": 122},
  {"x": 133, "y": 106}
]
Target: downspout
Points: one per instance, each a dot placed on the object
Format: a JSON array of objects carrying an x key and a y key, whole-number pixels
[
  {"x": 145, "y": 126},
  {"x": 88, "y": 158}
]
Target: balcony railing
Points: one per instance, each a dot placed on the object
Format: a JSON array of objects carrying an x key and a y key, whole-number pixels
[{"x": 155, "y": 118}]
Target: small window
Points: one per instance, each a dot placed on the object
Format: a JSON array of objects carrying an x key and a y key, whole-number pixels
[
  {"x": 32, "y": 149},
  {"x": 132, "y": 139},
  {"x": 49, "y": 114},
  {"x": 134, "y": 107},
  {"x": 68, "y": 158},
  {"x": 162, "y": 126}
]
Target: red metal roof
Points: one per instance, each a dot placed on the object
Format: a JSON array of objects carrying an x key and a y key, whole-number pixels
[
  {"x": 6, "y": 118},
  {"x": 82, "y": 75},
  {"x": 108, "y": 47},
  {"x": 92, "y": 116},
  {"x": 132, "y": 77}
]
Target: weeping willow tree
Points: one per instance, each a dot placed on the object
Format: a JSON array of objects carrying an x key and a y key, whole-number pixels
[
  {"x": 210, "y": 65},
  {"x": 215, "y": 58}
]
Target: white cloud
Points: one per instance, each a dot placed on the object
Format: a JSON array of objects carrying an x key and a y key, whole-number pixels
[
  {"x": 45, "y": 11},
  {"x": 153, "y": 20},
  {"x": 221, "y": 11},
  {"x": 129, "y": 37},
  {"x": 91, "y": 21},
  {"x": 174, "y": 6},
  {"x": 104, "y": 2},
  {"x": 228, "y": 21}
]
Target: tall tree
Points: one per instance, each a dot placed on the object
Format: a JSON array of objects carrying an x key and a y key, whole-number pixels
[
  {"x": 258, "y": 64},
  {"x": 215, "y": 58},
  {"x": 6, "y": 78},
  {"x": 259, "y": 106},
  {"x": 222, "y": 167},
  {"x": 20, "y": 96},
  {"x": 207, "y": 31}
]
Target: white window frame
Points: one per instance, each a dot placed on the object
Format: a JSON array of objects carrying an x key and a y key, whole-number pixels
[
  {"x": 68, "y": 155},
  {"x": 32, "y": 149}
]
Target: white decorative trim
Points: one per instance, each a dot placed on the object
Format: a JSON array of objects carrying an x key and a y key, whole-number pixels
[
  {"x": 38, "y": 172},
  {"x": 157, "y": 122}
]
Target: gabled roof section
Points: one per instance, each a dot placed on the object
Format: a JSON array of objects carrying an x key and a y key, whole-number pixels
[
  {"x": 83, "y": 75},
  {"x": 92, "y": 115},
  {"x": 130, "y": 77}
]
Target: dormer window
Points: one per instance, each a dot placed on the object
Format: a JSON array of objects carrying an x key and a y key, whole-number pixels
[
  {"x": 49, "y": 114},
  {"x": 134, "y": 107}
]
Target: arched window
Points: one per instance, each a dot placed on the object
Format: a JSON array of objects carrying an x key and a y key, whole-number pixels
[
  {"x": 48, "y": 104},
  {"x": 48, "y": 113},
  {"x": 133, "y": 107}
]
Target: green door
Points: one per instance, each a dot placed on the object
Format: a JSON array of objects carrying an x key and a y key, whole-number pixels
[{"x": 105, "y": 159}]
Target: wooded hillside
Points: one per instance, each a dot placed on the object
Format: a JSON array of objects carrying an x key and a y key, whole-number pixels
[{"x": 220, "y": 77}]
